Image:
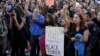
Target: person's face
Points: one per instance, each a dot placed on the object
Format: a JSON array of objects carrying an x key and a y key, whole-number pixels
[
  {"x": 76, "y": 19},
  {"x": 36, "y": 10},
  {"x": 47, "y": 19},
  {"x": 65, "y": 6},
  {"x": 77, "y": 10},
  {"x": 32, "y": 5},
  {"x": 87, "y": 18}
]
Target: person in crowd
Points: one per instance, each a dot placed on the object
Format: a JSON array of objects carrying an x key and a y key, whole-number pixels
[
  {"x": 49, "y": 22},
  {"x": 66, "y": 21},
  {"x": 36, "y": 23},
  {"x": 22, "y": 20},
  {"x": 32, "y": 6},
  {"x": 60, "y": 14},
  {"x": 93, "y": 29},
  {"x": 80, "y": 35},
  {"x": 16, "y": 25},
  {"x": 3, "y": 33},
  {"x": 8, "y": 10},
  {"x": 95, "y": 49},
  {"x": 58, "y": 18},
  {"x": 98, "y": 41}
]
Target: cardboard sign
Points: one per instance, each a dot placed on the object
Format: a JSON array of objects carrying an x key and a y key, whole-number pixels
[{"x": 54, "y": 42}]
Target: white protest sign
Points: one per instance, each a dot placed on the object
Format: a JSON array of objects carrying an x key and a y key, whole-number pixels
[{"x": 54, "y": 41}]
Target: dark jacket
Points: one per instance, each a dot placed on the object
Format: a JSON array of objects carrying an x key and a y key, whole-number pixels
[{"x": 3, "y": 33}]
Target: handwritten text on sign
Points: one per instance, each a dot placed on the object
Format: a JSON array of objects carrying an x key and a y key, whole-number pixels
[{"x": 54, "y": 41}]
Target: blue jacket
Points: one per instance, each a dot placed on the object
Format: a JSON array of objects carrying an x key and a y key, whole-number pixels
[
  {"x": 36, "y": 26},
  {"x": 79, "y": 46}
]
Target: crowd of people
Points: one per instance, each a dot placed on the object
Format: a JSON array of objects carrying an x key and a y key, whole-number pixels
[{"x": 23, "y": 23}]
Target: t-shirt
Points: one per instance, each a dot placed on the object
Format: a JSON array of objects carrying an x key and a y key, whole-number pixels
[{"x": 81, "y": 31}]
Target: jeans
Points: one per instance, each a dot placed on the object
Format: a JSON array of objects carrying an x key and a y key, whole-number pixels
[{"x": 35, "y": 47}]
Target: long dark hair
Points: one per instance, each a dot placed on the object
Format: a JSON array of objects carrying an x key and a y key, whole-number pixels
[
  {"x": 82, "y": 22},
  {"x": 19, "y": 13},
  {"x": 51, "y": 22}
]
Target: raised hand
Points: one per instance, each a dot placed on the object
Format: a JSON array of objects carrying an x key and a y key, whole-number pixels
[{"x": 26, "y": 5}]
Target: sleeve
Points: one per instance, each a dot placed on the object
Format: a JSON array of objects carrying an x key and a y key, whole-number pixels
[
  {"x": 29, "y": 13},
  {"x": 40, "y": 21}
]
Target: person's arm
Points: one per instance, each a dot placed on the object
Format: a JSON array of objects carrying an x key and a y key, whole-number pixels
[
  {"x": 86, "y": 36},
  {"x": 21, "y": 25},
  {"x": 39, "y": 21},
  {"x": 73, "y": 4},
  {"x": 82, "y": 13},
  {"x": 57, "y": 13},
  {"x": 73, "y": 39},
  {"x": 11, "y": 23},
  {"x": 85, "y": 39},
  {"x": 26, "y": 8},
  {"x": 66, "y": 17}
]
